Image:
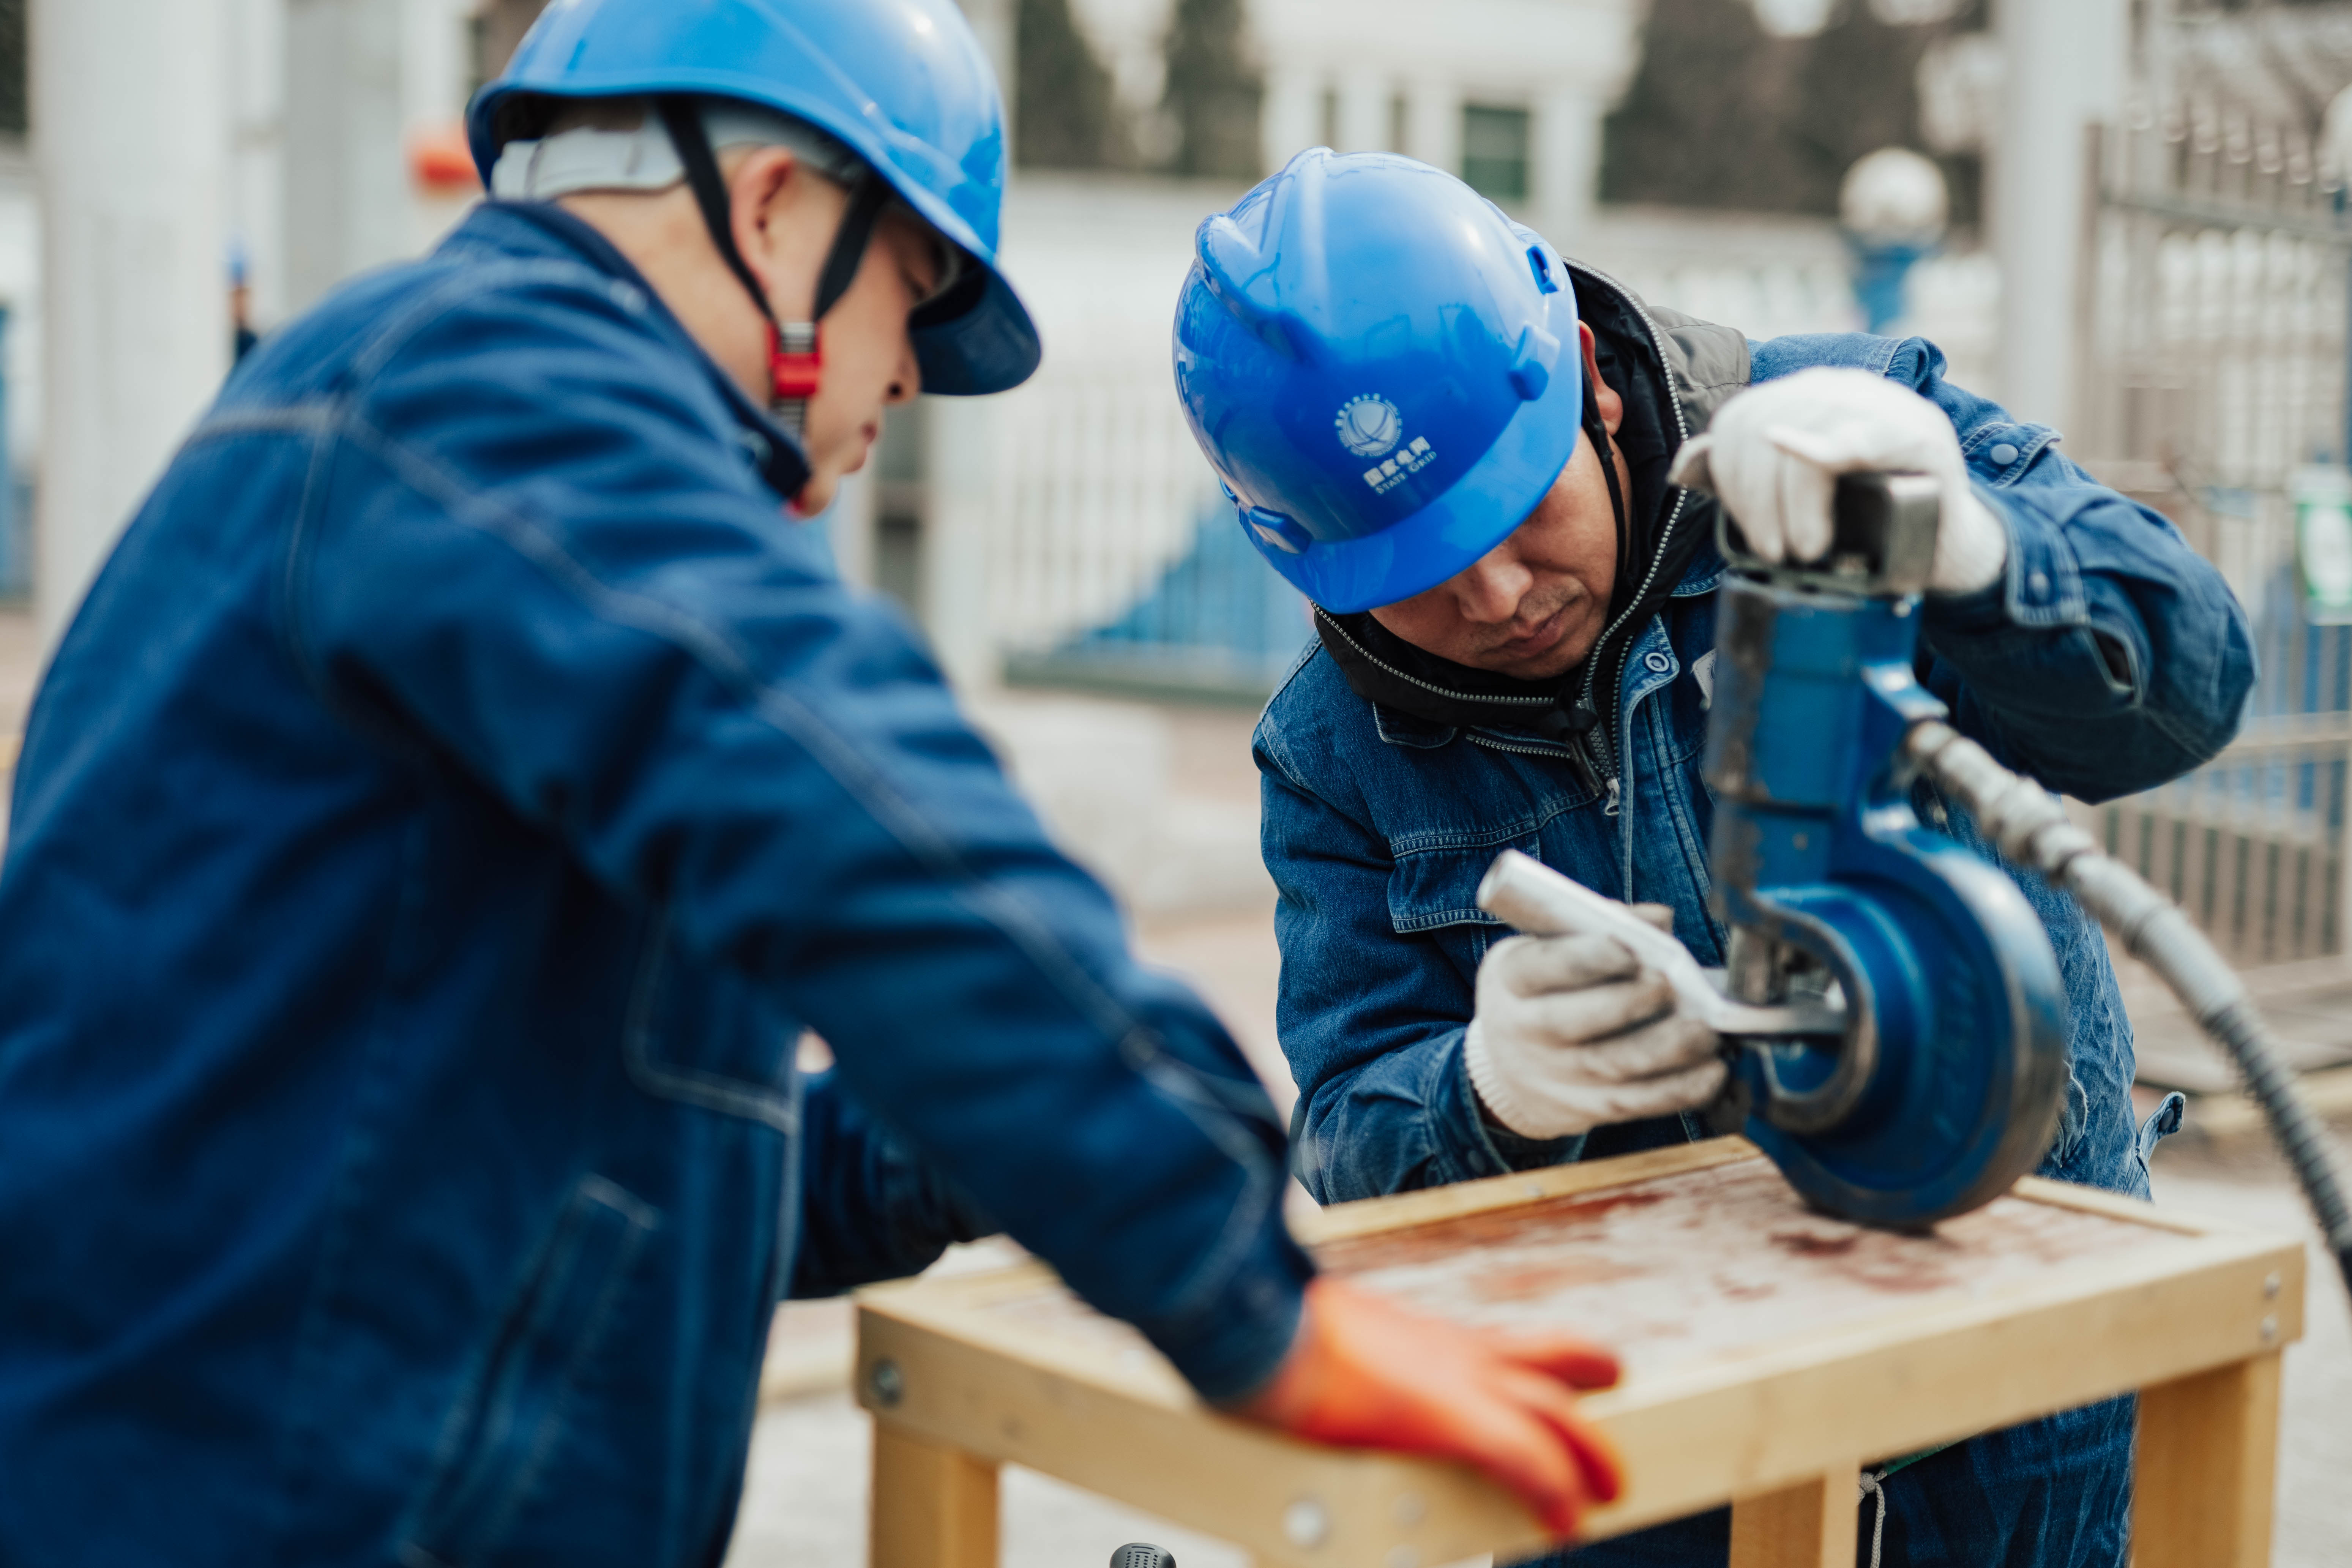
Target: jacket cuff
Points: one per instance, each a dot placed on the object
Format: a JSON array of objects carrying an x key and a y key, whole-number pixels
[
  {"x": 2041, "y": 586},
  {"x": 1245, "y": 1335},
  {"x": 1485, "y": 1148}
]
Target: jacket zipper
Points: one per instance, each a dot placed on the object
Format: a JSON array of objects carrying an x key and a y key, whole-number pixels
[
  {"x": 1572, "y": 755},
  {"x": 1609, "y": 757},
  {"x": 1372, "y": 658}
]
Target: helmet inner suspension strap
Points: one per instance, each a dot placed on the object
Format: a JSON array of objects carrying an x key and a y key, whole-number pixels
[
  {"x": 1597, "y": 434},
  {"x": 796, "y": 355}
]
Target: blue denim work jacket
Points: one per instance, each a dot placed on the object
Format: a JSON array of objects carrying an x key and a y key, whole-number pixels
[
  {"x": 2110, "y": 657},
  {"x": 454, "y": 796}
]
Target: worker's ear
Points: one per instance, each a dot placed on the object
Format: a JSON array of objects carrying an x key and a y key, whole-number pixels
[
  {"x": 763, "y": 190},
  {"x": 1604, "y": 396}
]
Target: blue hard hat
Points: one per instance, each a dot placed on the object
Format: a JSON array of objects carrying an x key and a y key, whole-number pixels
[
  {"x": 1382, "y": 369},
  {"x": 903, "y": 82}
]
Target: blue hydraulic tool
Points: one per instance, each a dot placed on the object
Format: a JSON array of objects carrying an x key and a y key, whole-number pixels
[
  {"x": 1893, "y": 1012},
  {"x": 1943, "y": 1086}
]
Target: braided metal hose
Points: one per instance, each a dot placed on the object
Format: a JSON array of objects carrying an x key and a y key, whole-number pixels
[{"x": 2031, "y": 828}]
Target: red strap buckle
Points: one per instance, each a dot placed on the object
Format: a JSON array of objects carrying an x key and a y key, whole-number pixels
[{"x": 793, "y": 377}]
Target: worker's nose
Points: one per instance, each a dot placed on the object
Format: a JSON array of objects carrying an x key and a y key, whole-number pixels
[{"x": 1489, "y": 590}]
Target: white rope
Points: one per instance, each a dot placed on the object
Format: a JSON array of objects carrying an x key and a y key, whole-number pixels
[{"x": 1875, "y": 1486}]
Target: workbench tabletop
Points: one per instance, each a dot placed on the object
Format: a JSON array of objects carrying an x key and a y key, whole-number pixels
[{"x": 1762, "y": 1343}]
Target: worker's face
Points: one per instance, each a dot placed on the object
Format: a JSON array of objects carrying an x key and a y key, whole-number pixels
[
  {"x": 869, "y": 360},
  {"x": 1533, "y": 606}
]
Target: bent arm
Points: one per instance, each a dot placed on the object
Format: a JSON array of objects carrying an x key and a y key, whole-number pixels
[
  {"x": 870, "y": 1207},
  {"x": 578, "y": 595},
  {"x": 1371, "y": 1019},
  {"x": 2109, "y": 657}
]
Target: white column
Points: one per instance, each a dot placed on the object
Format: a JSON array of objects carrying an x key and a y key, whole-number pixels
[
  {"x": 2066, "y": 69},
  {"x": 1364, "y": 94},
  {"x": 129, "y": 100},
  {"x": 348, "y": 201},
  {"x": 850, "y": 527},
  {"x": 256, "y": 169},
  {"x": 1565, "y": 150},
  {"x": 1433, "y": 123},
  {"x": 1291, "y": 118},
  {"x": 965, "y": 439}
]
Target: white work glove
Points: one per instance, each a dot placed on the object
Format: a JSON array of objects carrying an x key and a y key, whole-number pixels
[
  {"x": 1571, "y": 1032},
  {"x": 1773, "y": 454}
]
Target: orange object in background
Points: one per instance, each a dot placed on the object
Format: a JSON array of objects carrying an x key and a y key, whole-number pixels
[{"x": 440, "y": 161}]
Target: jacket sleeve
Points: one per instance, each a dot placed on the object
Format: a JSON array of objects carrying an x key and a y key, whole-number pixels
[
  {"x": 870, "y": 1207},
  {"x": 1371, "y": 1019},
  {"x": 2110, "y": 657},
  {"x": 564, "y": 580}
]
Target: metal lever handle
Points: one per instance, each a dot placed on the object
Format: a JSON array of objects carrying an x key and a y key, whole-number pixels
[{"x": 1529, "y": 896}]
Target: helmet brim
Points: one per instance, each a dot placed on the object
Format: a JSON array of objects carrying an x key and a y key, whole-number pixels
[{"x": 993, "y": 347}]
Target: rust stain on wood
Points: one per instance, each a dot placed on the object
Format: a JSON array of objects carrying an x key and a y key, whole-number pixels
[{"x": 1678, "y": 1270}]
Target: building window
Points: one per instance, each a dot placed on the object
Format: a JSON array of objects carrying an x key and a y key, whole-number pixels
[{"x": 1495, "y": 151}]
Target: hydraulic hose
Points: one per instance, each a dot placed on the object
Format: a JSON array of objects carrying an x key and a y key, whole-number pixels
[{"x": 2031, "y": 828}]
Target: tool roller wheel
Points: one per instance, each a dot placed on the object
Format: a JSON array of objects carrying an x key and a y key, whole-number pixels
[{"x": 1957, "y": 1020}]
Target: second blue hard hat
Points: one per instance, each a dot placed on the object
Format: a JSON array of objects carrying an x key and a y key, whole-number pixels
[
  {"x": 1382, "y": 369},
  {"x": 904, "y": 83}
]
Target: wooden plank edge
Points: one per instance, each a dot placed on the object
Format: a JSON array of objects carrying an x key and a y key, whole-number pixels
[
  {"x": 1217, "y": 1474},
  {"x": 1690, "y": 1437},
  {"x": 1837, "y": 1381},
  {"x": 1433, "y": 1205},
  {"x": 2117, "y": 1205}
]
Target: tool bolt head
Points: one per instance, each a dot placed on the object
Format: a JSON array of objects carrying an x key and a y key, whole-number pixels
[
  {"x": 1306, "y": 1522},
  {"x": 886, "y": 1384},
  {"x": 2271, "y": 1286},
  {"x": 2270, "y": 1330}
]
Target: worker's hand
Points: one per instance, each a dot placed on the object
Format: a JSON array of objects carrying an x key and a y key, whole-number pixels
[
  {"x": 1571, "y": 1032},
  {"x": 1369, "y": 1375},
  {"x": 1773, "y": 454}
]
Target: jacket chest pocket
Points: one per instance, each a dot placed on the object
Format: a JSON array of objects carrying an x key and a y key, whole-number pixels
[
  {"x": 705, "y": 1036},
  {"x": 1434, "y": 893}
]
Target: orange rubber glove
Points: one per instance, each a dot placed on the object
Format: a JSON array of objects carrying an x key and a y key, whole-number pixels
[{"x": 1364, "y": 1374}]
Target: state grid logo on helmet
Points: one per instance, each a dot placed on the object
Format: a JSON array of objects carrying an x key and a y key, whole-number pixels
[{"x": 1369, "y": 426}]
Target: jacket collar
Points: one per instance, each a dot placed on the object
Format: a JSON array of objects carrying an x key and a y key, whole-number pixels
[{"x": 545, "y": 229}]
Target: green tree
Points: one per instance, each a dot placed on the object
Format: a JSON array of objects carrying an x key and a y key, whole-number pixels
[
  {"x": 14, "y": 115},
  {"x": 1064, "y": 115},
  {"x": 1723, "y": 115},
  {"x": 1214, "y": 92}
]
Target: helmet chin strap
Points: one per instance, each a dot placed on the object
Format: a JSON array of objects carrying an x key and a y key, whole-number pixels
[
  {"x": 1596, "y": 432},
  {"x": 796, "y": 349}
]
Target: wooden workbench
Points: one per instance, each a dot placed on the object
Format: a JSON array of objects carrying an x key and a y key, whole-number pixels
[{"x": 1770, "y": 1352}]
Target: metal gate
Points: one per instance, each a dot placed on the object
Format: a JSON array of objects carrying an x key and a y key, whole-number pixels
[{"x": 2214, "y": 296}]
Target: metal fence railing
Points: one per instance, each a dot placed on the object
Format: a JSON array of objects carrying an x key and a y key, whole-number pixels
[
  {"x": 2214, "y": 370},
  {"x": 1112, "y": 560}
]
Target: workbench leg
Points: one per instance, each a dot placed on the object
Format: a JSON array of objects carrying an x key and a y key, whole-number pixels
[
  {"x": 933, "y": 1507},
  {"x": 2202, "y": 1493},
  {"x": 1808, "y": 1525}
]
